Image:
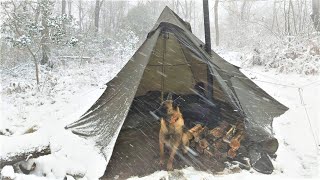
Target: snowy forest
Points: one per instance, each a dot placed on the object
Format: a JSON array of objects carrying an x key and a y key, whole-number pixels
[{"x": 57, "y": 57}]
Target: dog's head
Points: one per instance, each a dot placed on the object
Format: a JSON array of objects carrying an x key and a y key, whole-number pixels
[{"x": 168, "y": 107}]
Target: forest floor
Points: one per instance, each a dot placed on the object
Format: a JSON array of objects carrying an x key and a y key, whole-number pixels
[{"x": 66, "y": 92}]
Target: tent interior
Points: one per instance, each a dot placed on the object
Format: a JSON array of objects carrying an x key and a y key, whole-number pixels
[{"x": 172, "y": 68}]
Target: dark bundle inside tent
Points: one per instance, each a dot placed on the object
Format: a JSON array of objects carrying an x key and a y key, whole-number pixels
[{"x": 235, "y": 121}]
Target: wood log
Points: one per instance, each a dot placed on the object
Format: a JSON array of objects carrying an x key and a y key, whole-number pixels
[
  {"x": 203, "y": 143},
  {"x": 217, "y": 132},
  {"x": 199, "y": 149},
  {"x": 219, "y": 156},
  {"x": 20, "y": 148},
  {"x": 208, "y": 152},
  {"x": 235, "y": 141},
  {"x": 232, "y": 154},
  {"x": 229, "y": 134},
  {"x": 221, "y": 146},
  {"x": 196, "y": 131}
]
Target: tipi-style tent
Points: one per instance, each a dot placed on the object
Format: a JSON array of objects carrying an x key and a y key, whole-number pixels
[{"x": 172, "y": 59}]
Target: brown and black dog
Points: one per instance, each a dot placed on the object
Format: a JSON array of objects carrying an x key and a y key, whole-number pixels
[{"x": 172, "y": 132}]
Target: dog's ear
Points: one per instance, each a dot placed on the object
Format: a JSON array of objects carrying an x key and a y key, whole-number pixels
[{"x": 169, "y": 97}]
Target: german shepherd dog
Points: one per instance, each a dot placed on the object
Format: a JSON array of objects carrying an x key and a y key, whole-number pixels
[{"x": 172, "y": 132}]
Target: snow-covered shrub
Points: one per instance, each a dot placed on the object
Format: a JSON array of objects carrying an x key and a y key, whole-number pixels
[
  {"x": 296, "y": 54},
  {"x": 18, "y": 87},
  {"x": 125, "y": 44},
  {"x": 7, "y": 173}
]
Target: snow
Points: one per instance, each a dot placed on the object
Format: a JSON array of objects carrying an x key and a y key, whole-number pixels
[
  {"x": 62, "y": 97},
  {"x": 7, "y": 172},
  {"x": 65, "y": 93},
  {"x": 299, "y": 140},
  {"x": 16, "y": 144}
]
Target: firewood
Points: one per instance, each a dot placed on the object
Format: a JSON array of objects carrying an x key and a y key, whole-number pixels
[
  {"x": 221, "y": 157},
  {"x": 217, "y": 132},
  {"x": 196, "y": 132},
  {"x": 220, "y": 145},
  {"x": 208, "y": 152},
  {"x": 234, "y": 144},
  {"x": 203, "y": 143},
  {"x": 199, "y": 149},
  {"x": 229, "y": 134},
  {"x": 231, "y": 153},
  {"x": 235, "y": 141}
]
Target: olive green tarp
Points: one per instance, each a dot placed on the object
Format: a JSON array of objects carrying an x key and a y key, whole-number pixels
[{"x": 172, "y": 59}]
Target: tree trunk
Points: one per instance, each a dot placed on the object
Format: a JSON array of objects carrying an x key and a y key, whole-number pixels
[
  {"x": 80, "y": 15},
  {"x": 63, "y": 8},
  {"x": 243, "y": 9},
  {"x": 285, "y": 18},
  {"x": 44, "y": 34},
  {"x": 293, "y": 17},
  {"x": 274, "y": 12},
  {"x": 289, "y": 24},
  {"x": 20, "y": 148},
  {"x": 69, "y": 7},
  {"x": 216, "y": 23},
  {"x": 315, "y": 16},
  {"x": 35, "y": 61},
  {"x": 96, "y": 15}
]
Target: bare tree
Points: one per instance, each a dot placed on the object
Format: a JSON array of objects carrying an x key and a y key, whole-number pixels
[
  {"x": 69, "y": 7},
  {"x": 243, "y": 7},
  {"x": 80, "y": 10},
  {"x": 293, "y": 16},
  {"x": 45, "y": 32},
  {"x": 216, "y": 23},
  {"x": 63, "y": 3},
  {"x": 316, "y": 14},
  {"x": 97, "y": 14}
]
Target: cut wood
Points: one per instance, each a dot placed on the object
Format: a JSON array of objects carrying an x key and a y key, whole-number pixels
[
  {"x": 231, "y": 153},
  {"x": 21, "y": 148},
  {"x": 196, "y": 131},
  {"x": 203, "y": 143},
  {"x": 217, "y": 132}
]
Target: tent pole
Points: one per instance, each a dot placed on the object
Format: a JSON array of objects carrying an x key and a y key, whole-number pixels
[
  {"x": 206, "y": 21},
  {"x": 163, "y": 70}
]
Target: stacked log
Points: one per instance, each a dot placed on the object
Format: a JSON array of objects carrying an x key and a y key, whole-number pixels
[{"x": 220, "y": 143}]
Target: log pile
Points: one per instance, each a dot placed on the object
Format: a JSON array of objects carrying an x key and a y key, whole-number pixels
[{"x": 221, "y": 143}]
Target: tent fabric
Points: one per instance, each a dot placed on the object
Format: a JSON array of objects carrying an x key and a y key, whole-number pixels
[{"x": 172, "y": 59}]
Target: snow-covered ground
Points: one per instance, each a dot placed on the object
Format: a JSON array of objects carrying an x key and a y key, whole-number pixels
[
  {"x": 67, "y": 92},
  {"x": 62, "y": 97}
]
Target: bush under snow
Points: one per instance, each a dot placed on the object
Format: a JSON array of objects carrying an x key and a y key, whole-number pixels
[{"x": 299, "y": 55}]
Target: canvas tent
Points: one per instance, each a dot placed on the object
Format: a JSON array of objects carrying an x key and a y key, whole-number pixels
[{"x": 172, "y": 59}]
